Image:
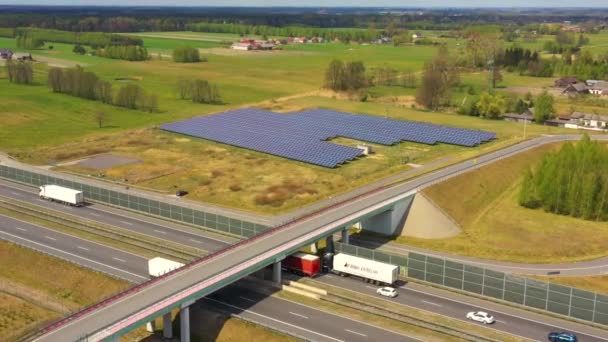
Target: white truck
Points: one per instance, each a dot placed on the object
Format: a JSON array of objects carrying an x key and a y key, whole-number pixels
[
  {"x": 61, "y": 194},
  {"x": 374, "y": 271},
  {"x": 159, "y": 266}
]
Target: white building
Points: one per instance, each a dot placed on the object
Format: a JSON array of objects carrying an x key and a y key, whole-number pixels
[{"x": 241, "y": 46}]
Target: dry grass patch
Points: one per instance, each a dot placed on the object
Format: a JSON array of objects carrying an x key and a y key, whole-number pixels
[
  {"x": 484, "y": 203},
  {"x": 18, "y": 316},
  {"x": 592, "y": 283}
]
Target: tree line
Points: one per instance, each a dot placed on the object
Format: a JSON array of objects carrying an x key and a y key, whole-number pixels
[
  {"x": 19, "y": 72},
  {"x": 572, "y": 181},
  {"x": 348, "y": 76},
  {"x": 93, "y": 39},
  {"x": 186, "y": 54},
  {"x": 126, "y": 52},
  {"x": 86, "y": 84},
  {"x": 199, "y": 91}
]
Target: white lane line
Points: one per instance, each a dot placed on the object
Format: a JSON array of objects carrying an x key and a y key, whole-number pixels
[
  {"x": 21, "y": 229},
  {"x": 193, "y": 240},
  {"x": 499, "y": 321},
  {"x": 248, "y": 299},
  {"x": 431, "y": 303},
  {"x": 272, "y": 319},
  {"x": 83, "y": 248},
  {"x": 127, "y": 223},
  {"x": 118, "y": 259},
  {"x": 15, "y": 193},
  {"x": 297, "y": 314},
  {"x": 370, "y": 287},
  {"x": 50, "y": 238},
  {"x": 71, "y": 254},
  {"x": 356, "y": 333},
  {"x": 94, "y": 214},
  {"x": 160, "y": 231}
]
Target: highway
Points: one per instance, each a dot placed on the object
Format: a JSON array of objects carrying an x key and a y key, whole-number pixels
[
  {"x": 298, "y": 319},
  {"x": 276, "y": 312},
  {"x": 510, "y": 320},
  {"x": 228, "y": 265},
  {"x": 127, "y": 221}
]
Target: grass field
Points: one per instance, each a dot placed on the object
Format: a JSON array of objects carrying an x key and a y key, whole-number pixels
[
  {"x": 36, "y": 288},
  {"x": 496, "y": 227}
]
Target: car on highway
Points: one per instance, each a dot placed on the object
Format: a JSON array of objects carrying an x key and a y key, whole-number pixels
[
  {"x": 562, "y": 337},
  {"x": 481, "y": 316},
  {"x": 387, "y": 292}
]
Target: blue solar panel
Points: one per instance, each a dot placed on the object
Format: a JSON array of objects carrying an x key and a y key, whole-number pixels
[{"x": 302, "y": 135}]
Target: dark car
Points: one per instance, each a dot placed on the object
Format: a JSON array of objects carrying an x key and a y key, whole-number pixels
[
  {"x": 180, "y": 193},
  {"x": 562, "y": 337}
]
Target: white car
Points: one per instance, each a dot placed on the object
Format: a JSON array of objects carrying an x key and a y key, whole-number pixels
[
  {"x": 481, "y": 316},
  {"x": 387, "y": 292}
]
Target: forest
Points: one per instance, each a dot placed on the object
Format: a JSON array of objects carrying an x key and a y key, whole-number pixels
[{"x": 572, "y": 181}]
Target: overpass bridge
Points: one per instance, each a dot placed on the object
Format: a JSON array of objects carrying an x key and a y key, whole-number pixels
[{"x": 109, "y": 319}]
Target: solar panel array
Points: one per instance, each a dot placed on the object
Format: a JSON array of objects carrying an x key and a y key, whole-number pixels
[{"x": 302, "y": 135}]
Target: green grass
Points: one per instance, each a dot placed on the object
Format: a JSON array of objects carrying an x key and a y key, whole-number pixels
[
  {"x": 496, "y": 227},
  {"x": 166, "y": 45}
]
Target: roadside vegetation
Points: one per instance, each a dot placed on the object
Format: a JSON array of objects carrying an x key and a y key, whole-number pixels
[{"x": 485, "y": 204}]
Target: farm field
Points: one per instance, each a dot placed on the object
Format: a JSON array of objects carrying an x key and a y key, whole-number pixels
[
  {"x": 496, "y": 227},
  {"x": 55, "y": 128}
]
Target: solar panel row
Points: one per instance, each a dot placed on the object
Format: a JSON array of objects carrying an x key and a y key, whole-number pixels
[{"x": 302, "y": 136}]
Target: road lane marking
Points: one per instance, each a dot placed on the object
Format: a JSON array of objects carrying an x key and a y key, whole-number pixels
[
  {"x": 370, "y": 287},
  {"x": 272, "y": 319},
  {"x": 160, "y": 231},
  {"x": 248, "y": 299},
  {"x": 15, "y": 193},
  {"x": 125, "y": 222},
  {"x": 297, "y": 314},
  {"x": 118, "y": 259},
  {"x": 356, "y": 333},
  {"x": 21, "y": 229},
  {"x": 499, "y": 321},
  {"x": 50, "y": 238},
  {"x": 74, "y": 255},
  {"x": 83, "y": 248},
  {"x": 431, "y": 303},
  {"x": 95, "y": 214},
  {"x": 193, "y": 240}
]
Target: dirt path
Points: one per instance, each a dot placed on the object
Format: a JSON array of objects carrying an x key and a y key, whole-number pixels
[{"x": 34, "y": 296}]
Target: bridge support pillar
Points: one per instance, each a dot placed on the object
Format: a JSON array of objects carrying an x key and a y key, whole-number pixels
[
  {"x": 329, "y": 244},
  {"x": 314, "y": 248},
  {"x": 345, "y": 236},
  {"x": 184, "y": 324},
  {"x": 167, "y": 326},
  {"x": 151, "y": 326},
  {"x": 276, "y": 273}
]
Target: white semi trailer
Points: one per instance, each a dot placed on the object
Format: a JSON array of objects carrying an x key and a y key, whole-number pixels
[
  {"x": 374, "y": 271},
  {"x": 61, "y": 194},
  {"x": 159, "y": 266}
]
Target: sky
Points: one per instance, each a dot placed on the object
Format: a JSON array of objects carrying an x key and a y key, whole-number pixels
[{"x": 320, "y": 3}]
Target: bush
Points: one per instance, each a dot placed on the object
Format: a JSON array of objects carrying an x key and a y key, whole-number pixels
[
  {"x": 79, "y": 50},
  {"x": 186, "y": 54}
]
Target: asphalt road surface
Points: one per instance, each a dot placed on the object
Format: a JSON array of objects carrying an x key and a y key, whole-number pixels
[
  {"x": 509, "y": 320},
  {"x": 279, "y": 313},
  {"x": 128, "y": 221}
]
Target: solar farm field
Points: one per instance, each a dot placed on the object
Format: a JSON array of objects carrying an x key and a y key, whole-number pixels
[{"x": 303, "y": 135}]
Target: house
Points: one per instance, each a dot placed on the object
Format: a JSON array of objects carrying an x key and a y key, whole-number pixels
[
  {"x": 575, "y": 89},
  {"x": 6, "y": 53},
  {"x": 241, "y": 46},
  {"x": 525, "y": 117},
  {"x": 599, "y": 88},
  {"x": 587, "y": 121},
  {"x": 417, "y": 35},
  {"x": 22, "y": 56},
  {"x": 565, "y": 81}
]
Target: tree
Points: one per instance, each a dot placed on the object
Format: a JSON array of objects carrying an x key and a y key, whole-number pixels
[
  {"x": 495, "y": 76},
  {"x": 354, "y": 74},
  {"x": 54, "y": 79},
  {"x": 100, "y": 118},
  {"x": 184, "y": 89},
  {"x": 19, "y": 72},
  {"x": 186, "y": 54},
  {"x": 438, "y": 78},
  {"x": 543, "y": 108},
  {"x": 78, "y": 49},
  {"x": 491, "y": 106},
  {"x": 103, "y": 91},
  {"x": 334, "y": 75}
]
